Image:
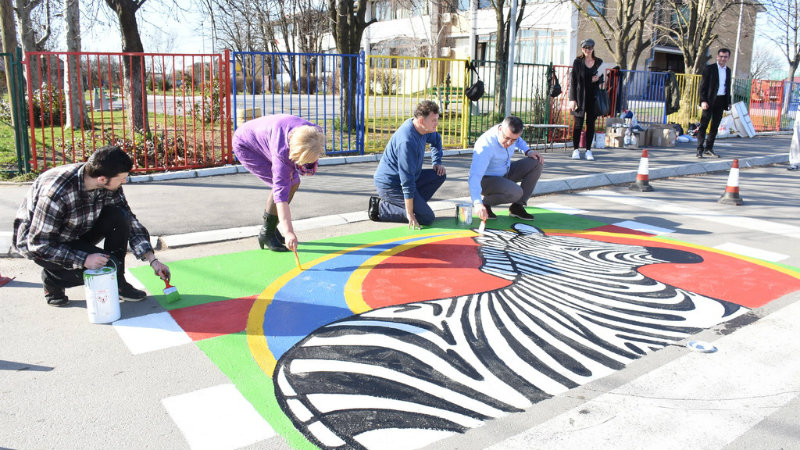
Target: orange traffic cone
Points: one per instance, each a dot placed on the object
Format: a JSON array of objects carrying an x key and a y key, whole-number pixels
[
  {"x": 4, "y": 280},
  {"x": 731, "y": 195},
  {"x": 642, "y": 182}
]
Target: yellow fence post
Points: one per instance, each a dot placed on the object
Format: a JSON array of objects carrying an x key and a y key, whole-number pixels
[{"x": 404, "y": 81}]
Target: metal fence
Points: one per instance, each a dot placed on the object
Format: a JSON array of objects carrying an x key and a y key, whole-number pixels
[
  {"x": 394, "y": 85},
  {"x": 167, "y": 110},
  {"x": 178, "y": 111},
  {"x": 326, "y": 89}
]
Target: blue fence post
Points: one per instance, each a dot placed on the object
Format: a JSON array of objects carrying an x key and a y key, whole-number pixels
[{"x": 360, "y": 127}]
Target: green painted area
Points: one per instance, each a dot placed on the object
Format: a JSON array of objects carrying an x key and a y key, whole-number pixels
[{"x": 232, "y": 355}]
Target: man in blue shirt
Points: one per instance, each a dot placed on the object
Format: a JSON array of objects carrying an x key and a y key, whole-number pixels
[
  {"x": 493, "y": 175},
  {"x": 404, "y": 187}
]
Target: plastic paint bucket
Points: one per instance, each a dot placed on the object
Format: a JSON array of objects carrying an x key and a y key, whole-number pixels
[
  {"x": 102, "y": 295},
  {"x": 464, "y": 214}
]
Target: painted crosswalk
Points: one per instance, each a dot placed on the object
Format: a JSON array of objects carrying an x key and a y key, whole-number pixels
[{"x": 698, "y": 401}]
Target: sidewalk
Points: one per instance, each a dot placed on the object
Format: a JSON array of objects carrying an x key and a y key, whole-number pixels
[{"x": 187, "y": 208}]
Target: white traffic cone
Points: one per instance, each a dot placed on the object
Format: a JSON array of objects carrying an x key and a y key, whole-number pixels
[
  {"x": 642, "y": 182},
  {"x": 731, "y": 195}
]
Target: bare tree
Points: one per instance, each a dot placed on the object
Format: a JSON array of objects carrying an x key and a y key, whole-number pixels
[
  {"x": 32, "y": 37},
  {"x": 348, "y": 22},
  {"x": 73, "y": 82},
  {"x": 691, "y": 28},
  {"x": 8, "y": 28},
  {"x": 764, "y": 62},
  {"x": 133, "y": 64},
  {"x": 784, "y": 16},
  {"x": 623, "y": 26}
]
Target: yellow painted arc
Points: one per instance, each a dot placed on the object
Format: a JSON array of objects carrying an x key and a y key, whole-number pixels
[{"x": 256, "y": 337}]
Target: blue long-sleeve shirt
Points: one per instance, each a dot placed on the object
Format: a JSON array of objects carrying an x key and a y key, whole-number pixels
[
  {"x": 490, "y": 158},
  {"x": 402, "y": 160}
]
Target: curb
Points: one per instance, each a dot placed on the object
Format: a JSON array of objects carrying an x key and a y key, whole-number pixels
[{"x": 551, "y": 186}]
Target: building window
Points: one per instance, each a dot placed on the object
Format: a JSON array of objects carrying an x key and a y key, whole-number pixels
[
  {"x": 382, "y": 10},
  {"x": 535, "y": 46},
  {"x": 599, "y": 5},
  {"x": 463, "y": 5}
]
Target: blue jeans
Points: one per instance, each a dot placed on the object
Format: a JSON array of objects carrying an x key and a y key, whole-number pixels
[{"x": 393, "y": 206}]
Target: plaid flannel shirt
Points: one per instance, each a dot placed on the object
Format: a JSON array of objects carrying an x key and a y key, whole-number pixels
[{"x": 59, "y": 209}]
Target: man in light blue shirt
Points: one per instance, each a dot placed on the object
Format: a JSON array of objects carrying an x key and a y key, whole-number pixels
[
  {"x": 493, "y": 174},
  {"x": 404, "y": 187}
]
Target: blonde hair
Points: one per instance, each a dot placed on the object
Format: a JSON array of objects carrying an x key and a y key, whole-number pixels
[{"x": 306, "y": 144}]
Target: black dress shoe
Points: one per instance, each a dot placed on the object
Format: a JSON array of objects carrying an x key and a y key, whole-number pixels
[
  {"x": 519, "y": 212},
  {"x": 491, "y": 214}
]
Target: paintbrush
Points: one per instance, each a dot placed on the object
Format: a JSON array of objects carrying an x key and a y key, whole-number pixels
[
  {"x": 297, "y": 260},
  {"x": 171, "y": 292}
]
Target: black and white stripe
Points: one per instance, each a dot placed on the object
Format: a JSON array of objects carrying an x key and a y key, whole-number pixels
[{"x": 577, "y": 310}]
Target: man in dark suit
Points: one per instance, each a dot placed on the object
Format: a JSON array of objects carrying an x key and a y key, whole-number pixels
[{"x": 715, "y": 97}]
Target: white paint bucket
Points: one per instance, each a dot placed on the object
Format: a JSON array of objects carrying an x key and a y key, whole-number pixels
[
  {"x": 464, "y": 214},
  {"x": 102, "y": 295}
]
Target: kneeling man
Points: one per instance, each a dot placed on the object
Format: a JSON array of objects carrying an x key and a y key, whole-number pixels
[
  {"x": 494, "y": 176},
  {"x": 68, "y": 211}
]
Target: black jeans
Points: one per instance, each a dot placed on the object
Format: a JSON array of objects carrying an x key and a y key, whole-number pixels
[
  {"x": 589, "y": 117},
  {"x": 714, "y": 115},
  {"x": 113, "y": 226}
]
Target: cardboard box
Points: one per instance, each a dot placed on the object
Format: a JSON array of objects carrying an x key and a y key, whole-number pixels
[
  {"x": 661, "y": 136},
  {"x": 613, "y": 141},
  {"x": 640, "y": 139}
]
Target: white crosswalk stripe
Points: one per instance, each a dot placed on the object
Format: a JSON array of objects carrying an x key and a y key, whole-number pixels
[{"x": 762, "y": 226}]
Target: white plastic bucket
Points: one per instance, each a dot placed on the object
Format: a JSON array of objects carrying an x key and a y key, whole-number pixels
[
  {"x": 102, "y": 296},
  {"x": 464, "y": 214}
]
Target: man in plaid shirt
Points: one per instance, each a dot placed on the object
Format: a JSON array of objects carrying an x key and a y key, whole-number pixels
[{"x": 71, "y": 208}]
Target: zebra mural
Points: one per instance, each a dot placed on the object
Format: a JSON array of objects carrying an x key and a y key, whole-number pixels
[{"x": 577, "y": 310}]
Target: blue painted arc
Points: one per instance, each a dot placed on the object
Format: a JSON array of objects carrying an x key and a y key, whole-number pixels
[{"x": 316, "y": 297}]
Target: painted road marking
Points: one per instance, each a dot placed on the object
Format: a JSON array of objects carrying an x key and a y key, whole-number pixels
[
  {"x": 752, "y": 252},
  {"x": 698, "y": 401},
  {"x": 562, "y": 209},
  {"x": 762, "y": 226},
  {"x": 151, "y": 332},
  {"x": 217, "y": 418},
  {"x": 643, "y": 227}
]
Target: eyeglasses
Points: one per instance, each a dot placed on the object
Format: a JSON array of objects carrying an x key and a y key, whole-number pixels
[
  {"x": 588, "y": 48},
  {"x": 506, "y": 139}
]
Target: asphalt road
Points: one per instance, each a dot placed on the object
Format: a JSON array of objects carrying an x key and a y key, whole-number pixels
[{"x": 66, "y": 383}]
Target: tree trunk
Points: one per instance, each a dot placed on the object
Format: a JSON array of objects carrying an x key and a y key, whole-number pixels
[
  {"x": 73, "y": 83},
  {"x": 347, "y": 26},
  {"x": 133, "y": 64},
  {"x": 9, "y": 38},
  {"x": 501, "y": 61},
  {"x": 28, "y": 40}
]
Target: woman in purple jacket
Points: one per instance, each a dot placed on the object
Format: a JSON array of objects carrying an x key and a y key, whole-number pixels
[{"x": 278, "y": 149}]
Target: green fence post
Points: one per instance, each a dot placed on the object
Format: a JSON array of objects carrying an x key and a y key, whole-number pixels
[{"x": 18, "y": 110}]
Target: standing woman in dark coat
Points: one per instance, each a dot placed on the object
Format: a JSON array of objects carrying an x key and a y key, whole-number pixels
[{"x": 583, "y": 86}]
